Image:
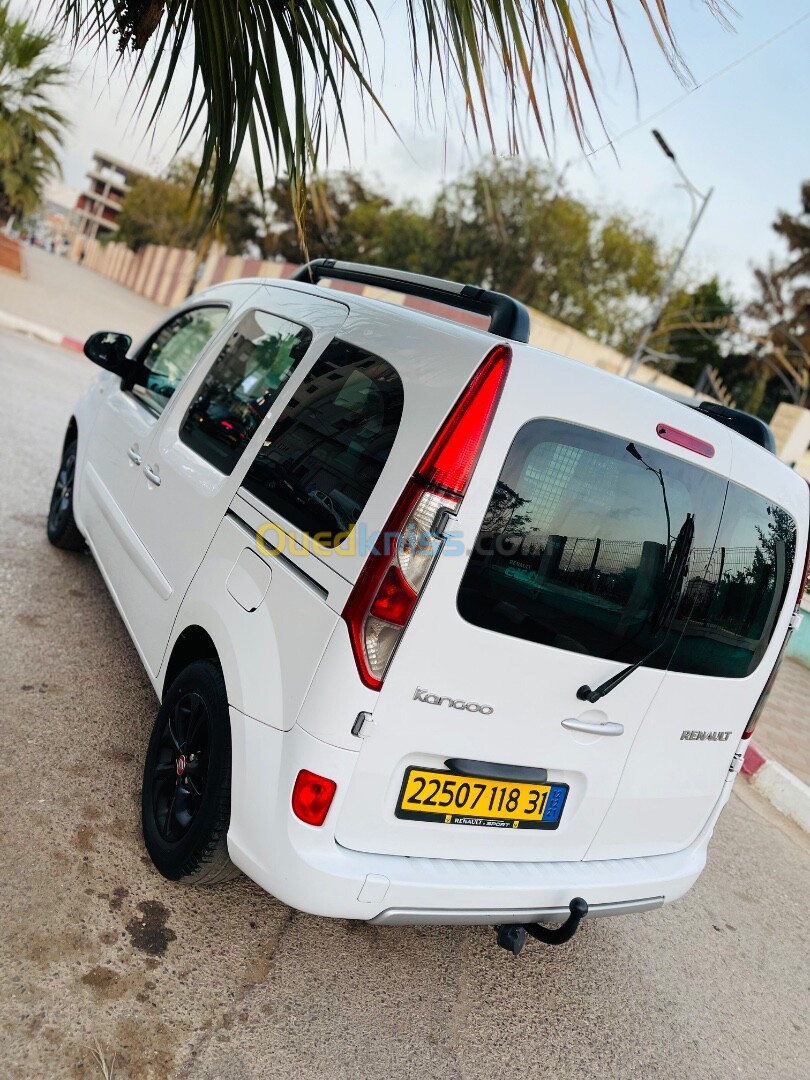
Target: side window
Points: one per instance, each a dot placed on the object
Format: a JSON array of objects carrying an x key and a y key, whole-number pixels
[
  {"x": 244, "y": 380},
  {"x": 173, "y": 351},
  {"x": 327, "y": 449}
]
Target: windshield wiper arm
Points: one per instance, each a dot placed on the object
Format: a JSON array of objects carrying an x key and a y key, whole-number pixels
[{"x": 679, "y": 559}]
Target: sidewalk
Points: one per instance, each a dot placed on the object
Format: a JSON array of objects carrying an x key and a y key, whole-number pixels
[
  {"x": 783, "y": 732},
  {"x": 72, "y": 300}
]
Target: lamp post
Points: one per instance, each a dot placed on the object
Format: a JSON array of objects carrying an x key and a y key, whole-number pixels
[{"x": 699, "y": 202}]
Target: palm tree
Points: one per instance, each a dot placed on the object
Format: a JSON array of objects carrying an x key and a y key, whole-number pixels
[
  {"x": 273, "y": 72},
  {"x": 31, "y": 128}
]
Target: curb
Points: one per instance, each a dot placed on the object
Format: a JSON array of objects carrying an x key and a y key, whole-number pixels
[
  {"x": 41, "y": 333},
  {"x": 786, "y": 792}
]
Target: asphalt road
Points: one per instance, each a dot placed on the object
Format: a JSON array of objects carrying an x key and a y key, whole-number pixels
[{"x": 228, "y": 983}]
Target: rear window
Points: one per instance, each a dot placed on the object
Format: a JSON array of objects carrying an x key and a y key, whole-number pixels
[
  {"x": 325, "y": 453},
  {"x": 615, "y": 549}
]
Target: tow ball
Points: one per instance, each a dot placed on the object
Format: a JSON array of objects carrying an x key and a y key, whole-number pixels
[{"x": 512, "y": 936}]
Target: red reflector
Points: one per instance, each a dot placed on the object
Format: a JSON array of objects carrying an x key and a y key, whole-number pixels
[
  {"x": 451, "y": 459},
  {"x": 395, "y": 598},
  {"x": 684, "y": 439},
  {"x": 312, "y": 796}
]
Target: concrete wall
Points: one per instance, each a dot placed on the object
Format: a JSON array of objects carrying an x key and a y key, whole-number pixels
[{"x": 162, "y": 274}]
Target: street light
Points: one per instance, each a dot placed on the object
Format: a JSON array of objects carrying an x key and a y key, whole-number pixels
[{"x": 699, "y": 202}]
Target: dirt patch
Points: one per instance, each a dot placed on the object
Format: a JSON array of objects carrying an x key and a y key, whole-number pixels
[
  {"x": 149, "y": 932},
  {"x": 84, "y": 837},
  {"x": 30, "y": 622},
  {"x": 118, "y": 896},
  {"x": 103, "y": 981}
]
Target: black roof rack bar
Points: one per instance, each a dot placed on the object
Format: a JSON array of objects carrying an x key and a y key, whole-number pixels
[
  {"x": 508, "y": 317},
  {"x": 742, "y": 422}
]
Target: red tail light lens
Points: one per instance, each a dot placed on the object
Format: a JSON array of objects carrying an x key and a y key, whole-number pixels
[
  {"x": 449, "y": 462},
  {"x": 312, "y": 796},
  {"x": 395, "y": 600},
  {"x": 387, "y": 590}
]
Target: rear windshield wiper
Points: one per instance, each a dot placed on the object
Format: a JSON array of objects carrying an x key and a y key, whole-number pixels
[{"x": 676, "y": 569}]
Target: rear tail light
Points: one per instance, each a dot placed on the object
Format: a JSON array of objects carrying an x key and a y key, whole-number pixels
[
  {"x": 387, "y": 590},
  {"x": 312, "y": 796},
  {"x": 763, "y": 697}
]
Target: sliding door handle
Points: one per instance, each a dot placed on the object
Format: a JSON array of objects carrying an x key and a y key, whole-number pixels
[
  {"x": 593, "y": 727},
  {"x": 152, "y": 475},
  {"x": 134, "y": 455}
]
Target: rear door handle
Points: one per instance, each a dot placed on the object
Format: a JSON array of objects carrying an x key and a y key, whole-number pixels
[
  {"x": 134, "y": 455},
  {"x": 152, "y": 475},
  {"x": 593, "y": 727}
]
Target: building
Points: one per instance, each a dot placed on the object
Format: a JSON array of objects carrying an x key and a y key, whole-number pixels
[{"x": 99, "y": 205}]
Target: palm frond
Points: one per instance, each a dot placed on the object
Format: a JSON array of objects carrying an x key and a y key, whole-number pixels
[
  {"x": 32, "y": 128},
  {"x": 273, "y": 73}
]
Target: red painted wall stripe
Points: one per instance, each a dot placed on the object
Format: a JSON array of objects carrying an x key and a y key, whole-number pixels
[{"x": 753, "y": 760}]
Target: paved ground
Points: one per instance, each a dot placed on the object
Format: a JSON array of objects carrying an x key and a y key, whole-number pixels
[
  {"x": 72, "y": 299},
  {"x": 229, "y": 984},
  {"x": 783, "y": 731}
]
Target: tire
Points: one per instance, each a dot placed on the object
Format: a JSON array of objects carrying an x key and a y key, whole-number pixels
[
  {"x": 186, "y": 795},
  {"x": 63, "y": 532}
]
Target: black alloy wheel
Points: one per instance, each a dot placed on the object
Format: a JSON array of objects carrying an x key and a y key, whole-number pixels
[
  {"x": 181, "y": 770},
  {"x": 63, "y": 531},
  {"x": 186, "y": 798}
]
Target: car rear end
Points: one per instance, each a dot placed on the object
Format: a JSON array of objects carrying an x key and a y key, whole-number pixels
[{"x": 458, "y": 757}]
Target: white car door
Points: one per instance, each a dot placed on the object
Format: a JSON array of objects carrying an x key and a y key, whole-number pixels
[
  {"x": 196, "y": 459},
  {"x": 125, "y": 420}
]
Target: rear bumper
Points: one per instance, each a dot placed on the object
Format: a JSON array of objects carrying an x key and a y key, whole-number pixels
[{"x": 304, "y": 867}]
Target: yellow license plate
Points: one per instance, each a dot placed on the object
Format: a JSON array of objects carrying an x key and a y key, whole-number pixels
[{"x": 450, "y": 799}]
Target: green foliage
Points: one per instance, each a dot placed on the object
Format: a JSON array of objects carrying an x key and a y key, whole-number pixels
[
  {"x": 168, "y": 210},
  {"x": 511, "y": 226},
  {"x": 508, "y": 226},
  {"x": 274, "y": 74},
  {"x": 31, "y": 128},
  {"x": 694, "y": 329}
]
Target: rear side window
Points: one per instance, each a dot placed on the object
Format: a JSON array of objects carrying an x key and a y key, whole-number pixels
[
  {"x": 615, "y": 549},
  {"x": 326, "y": 451},
  {"x": 242, "y": 384}
]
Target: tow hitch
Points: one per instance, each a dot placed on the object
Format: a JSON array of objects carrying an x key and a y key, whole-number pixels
[{"x": 512, "y": 936}]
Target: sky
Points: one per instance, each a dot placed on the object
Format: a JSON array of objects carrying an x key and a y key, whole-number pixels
[{"x": 741, "y": 128}]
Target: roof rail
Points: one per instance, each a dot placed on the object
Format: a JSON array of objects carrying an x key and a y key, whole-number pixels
[
  {"x": 508, "y": 317},
  {"x": 742, "y": 422}
]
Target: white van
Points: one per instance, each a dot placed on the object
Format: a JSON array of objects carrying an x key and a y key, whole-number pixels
[{"x": 516, "y": 688}]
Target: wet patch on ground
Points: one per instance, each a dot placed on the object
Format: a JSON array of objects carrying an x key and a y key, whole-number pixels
[{"x": 149, "y": 932}]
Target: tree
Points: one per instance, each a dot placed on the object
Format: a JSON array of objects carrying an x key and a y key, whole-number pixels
[
  {"x": 512, "y": 226},
  {"x": 509, "y": 226},
  {"x": 274, "y": 73},
  {"x": 695, "y": 332},
  {"x": 350, "y": 218},
  {"x": 31, "y": 128},
  {"x": 168, "y": 210},
  {"x": 780, "y": 313}
]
